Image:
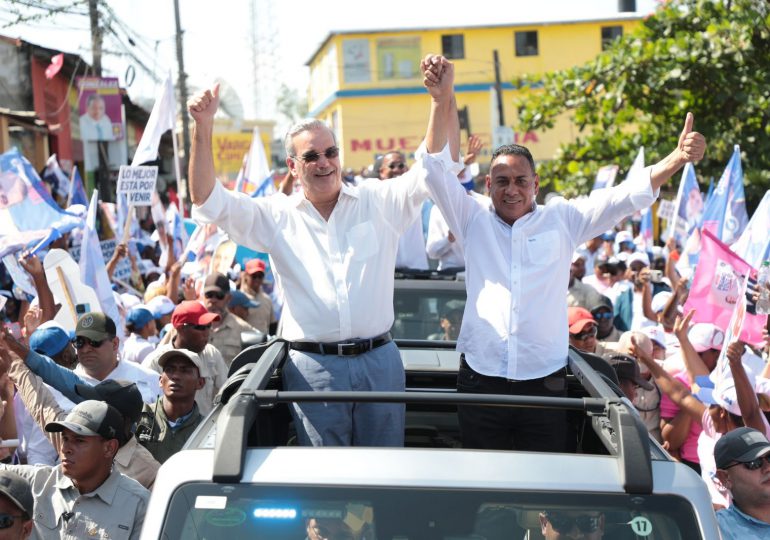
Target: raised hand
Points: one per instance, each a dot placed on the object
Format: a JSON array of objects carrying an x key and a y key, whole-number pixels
[
  {"x": 682, "y": 325},
  {"x": 692, "y": 145},
  {"x": 735, "y": 351},
  {"x": 32, "y": 319},
  {"x": 32, "y": 265},
  {"x": 474, "y": 147},
  {"x": 438, "y": 73},
  {"x": 203, "y": 105},
  {"x": 189, "y": 289}
]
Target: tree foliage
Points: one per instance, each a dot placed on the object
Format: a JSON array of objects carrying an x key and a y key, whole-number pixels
[{"x": 711, "y": 57}]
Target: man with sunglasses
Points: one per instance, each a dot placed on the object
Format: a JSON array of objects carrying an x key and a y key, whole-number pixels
[
  {"x": 743, "y": 467},
  {"x": 582, "y": 329},
  {"x": 570, "y": 524},
  {"x": 518, "y": 256},
  {"x": 16, "y": 507},
  {"x": 263, "y": 316},
  {"x": 411, "y": 245},
  {"x": 333, "y": 250},
  {"x": 226, "y": 330},
  {"x": 191, "y": 326}
]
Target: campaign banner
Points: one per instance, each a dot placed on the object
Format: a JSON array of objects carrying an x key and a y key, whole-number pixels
[
  {"x": 101, "y": 109},
  {"x": 137, "y": 184},
  {"x": 123, "y": 268},
  {"x": 717, "y": 288},
  {"x": 722, "y": 372},
  {"x": 605, "y": 177}
]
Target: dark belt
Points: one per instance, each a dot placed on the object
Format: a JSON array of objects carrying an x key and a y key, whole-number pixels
[{"x": 350, "y": 347}]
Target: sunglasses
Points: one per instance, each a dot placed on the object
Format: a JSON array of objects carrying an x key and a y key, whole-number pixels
[
  {"x": 81, "y": 341},
  {"x": 603, "y": 315},
  {"x": 564, "y": 524},
  {"x": 215, "y": 294},
  {"x": 591, "y": 332},
  {"x": 397, "y": 165},
  {"x": 199, "y": 327},
  {"x": 752, "y": 465},
  {"x": 313, "y": 156},
  {"x": 7, "y": 520}
]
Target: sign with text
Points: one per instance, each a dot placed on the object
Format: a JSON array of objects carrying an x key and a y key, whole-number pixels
[
  {"x": 138, "y": 184},
  {"x": 123, "y": 268}
]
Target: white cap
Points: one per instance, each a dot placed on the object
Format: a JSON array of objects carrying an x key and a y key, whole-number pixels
[
  {"x": 706, "y": 336},
  {"x": 129, "y": 300},
  {"x": 660, "y": 300},
  {"x": 656, "y": 334},
  {"x": 623, "y": 236},
  {"x": 160, "y": 305},
  {"x": 638, "y": 256}
]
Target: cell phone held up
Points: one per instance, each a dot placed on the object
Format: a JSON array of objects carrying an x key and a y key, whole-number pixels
[{"x": 14, "y": 329}]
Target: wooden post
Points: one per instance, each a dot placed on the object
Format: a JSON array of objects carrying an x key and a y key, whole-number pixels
[{"x": 65, "y": 288}]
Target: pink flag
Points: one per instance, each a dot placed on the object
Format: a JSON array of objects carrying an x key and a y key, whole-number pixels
[{"x": 717, "y": 286}]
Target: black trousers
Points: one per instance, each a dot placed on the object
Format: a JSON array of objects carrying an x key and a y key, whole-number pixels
[{"x": 512, "y": 428}]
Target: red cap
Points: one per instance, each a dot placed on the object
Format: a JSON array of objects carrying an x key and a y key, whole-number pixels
[
  {"x": 255, "y": 265},
  {"x": 192, "y": 312},
  {"x": 578, "y": 319}
]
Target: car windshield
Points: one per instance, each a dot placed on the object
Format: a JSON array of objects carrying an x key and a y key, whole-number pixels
[
  {"x": 428, "y": 313},
  {"x": 228, "y": 512}
]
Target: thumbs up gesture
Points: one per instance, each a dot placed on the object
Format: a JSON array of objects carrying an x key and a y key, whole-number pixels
[{"x": 692, "y": 145}]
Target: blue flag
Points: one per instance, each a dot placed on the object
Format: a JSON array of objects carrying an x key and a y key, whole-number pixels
[
  {"x": 27, "y": 212},
  {"x": 725, "y": 215},
  {"x": 688, "y": 207},
  {"x": 77, "y": 193}
]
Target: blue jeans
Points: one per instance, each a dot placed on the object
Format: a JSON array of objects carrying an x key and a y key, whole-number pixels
[{"x": 347, "y": 424}]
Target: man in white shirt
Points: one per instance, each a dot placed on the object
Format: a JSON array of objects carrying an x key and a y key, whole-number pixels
[
  {"x": 411, "y": 244},
  {"x": 514, "y": 332},
  {"x": 333, "y": 249}
]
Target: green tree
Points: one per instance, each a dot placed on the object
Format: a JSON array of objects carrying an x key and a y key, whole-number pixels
[{"x": 711, "y": 57}]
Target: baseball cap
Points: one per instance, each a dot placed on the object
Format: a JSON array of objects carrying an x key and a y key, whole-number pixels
[
  {"x": 130, "y": 300},
  {"x": 742, "y": 445},
  {"x": 642, "y": 342},
  {"x": 91, "y": 418},
  {"x": 600, "y": 301},
  {"x": 638, "y": 256},
  {"x": 660, "y": 300},
  {"x": 160, "y": 305},
  {"x": 18, "y": 490},
  {"x": 623, "y": 236},
  {"x": 139, "y": 316},
  {"x": 626, "y": 368},
  {"x": 147, "y": 267},
  {"x": 182, "y": 353},
  {"x": 192, "y": 312},
  {"x": 706, "y": 336},
  {"x": 49, "y": 339},
  {"x": 578, "y": 318},
  {"x": 240, "y": 299},
  {"x": 123, "y": 395},
  {"x": 216, "y": 282},
  {"x": 95, "y": 325},
  {"x": 656, "y": 334},
  {"x": 255, "y": 265}
]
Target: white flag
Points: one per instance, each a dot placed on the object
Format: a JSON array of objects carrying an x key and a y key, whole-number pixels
[
  {"x": 162, "y": 118},
  {"x": 754, "y": 244},
  {"x": 92, "y": 270}
]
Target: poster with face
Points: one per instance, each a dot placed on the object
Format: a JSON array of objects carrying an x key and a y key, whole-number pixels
[{"x": 100, "y": 108}]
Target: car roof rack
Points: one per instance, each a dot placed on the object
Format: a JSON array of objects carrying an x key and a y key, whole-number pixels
[{"x": 246, "y": 396}]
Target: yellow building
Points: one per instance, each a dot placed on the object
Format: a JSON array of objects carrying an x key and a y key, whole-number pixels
[{"x": 367, "y": 84}]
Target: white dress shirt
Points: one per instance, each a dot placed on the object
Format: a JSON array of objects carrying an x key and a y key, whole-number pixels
[
  {"x": 411, "y": 247},
  {"x": 449, "y": 254},
  {"x": 336, "y": 275},
  {"x": 515, "y": 321},
  {"x": 147, "y": 381}
]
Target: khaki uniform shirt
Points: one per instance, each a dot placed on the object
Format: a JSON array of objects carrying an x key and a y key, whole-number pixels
[
  {"x": 132, "y": 460},
  {"x": 163, "y": 441},
  {"x": 227, "y": 336},
  {"x": 115, "y": 510},
  {"x": 260, "y": 317},
  {"x": 215, "y": 373}
]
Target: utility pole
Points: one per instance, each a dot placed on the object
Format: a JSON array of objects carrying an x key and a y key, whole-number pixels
[
  {"x": 498, "y": 88},
  {"x": 182, "y": 82},
  {"x": 102, "y": 173}
]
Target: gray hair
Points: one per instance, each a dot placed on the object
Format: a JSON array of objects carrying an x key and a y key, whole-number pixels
[{"x": 307, "y": 124}]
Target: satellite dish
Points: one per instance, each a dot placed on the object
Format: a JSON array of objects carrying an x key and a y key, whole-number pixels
[{"x": 229, "y": 101}]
